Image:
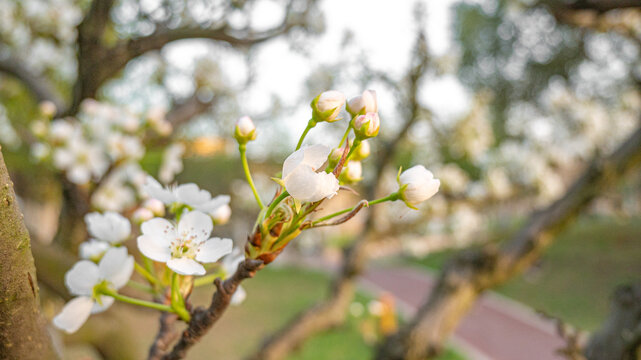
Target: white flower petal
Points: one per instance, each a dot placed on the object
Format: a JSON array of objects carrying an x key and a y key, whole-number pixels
[
  {"x": 79, "y": 174},
  {"x": 74, "y": 314},
  {"x": 161, "y": 230},
  {"x": 82, "y": 277},
  {"x": 155, "y": 190},
  {"x": 305, "y": 184},
  {"x": 110, "y": 226},
  {"x": 214, "y": 204},
  {"x": 186, "y": 266},
  {"x": 316, "y": 155},
  {"x": 106, "y": 301},
  {"x": 239, "y": 296},
  {"x": 153, "y": 248},
  {"x": 192, "y": 195},
  {"x": 292, "y": 162},
  {"x": 213, "y": 249},
  {"x": 92, "y": 249},
  {"x": 116, "y": 267},
  {"x": 195, "y": 224}
]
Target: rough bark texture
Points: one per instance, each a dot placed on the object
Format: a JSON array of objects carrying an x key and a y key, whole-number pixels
[
  {"x": 619, "y": 338},
  {"x": 23, "y": 332},
  {"x": 203, "y": 319},
  {"x": 468, "y": 275}
]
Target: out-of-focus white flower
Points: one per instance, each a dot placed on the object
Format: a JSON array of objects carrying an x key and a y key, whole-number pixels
[
  {"x": 40, "y": 151},
  {"x": 188, "y": 194},
  {"x": 245, "y": 130},
  {"x": 328, "y": 105},
  {"x": 93, "y": 249},
  {"x": 367, "y": 126},
  {"x": 417, "y": 184},
  {"x": 363, "y": 104},
  {"x": 356, "y": 309},
  {"x": 113, "y": 271},
  {"x": 61, "y": 130},
  {"x": 48, "y": 108},
  {"x": 354, "y": 171},
  {"x": 141, "y": 215},
  {"x": 113, "y": 195},
  {"x": 81, "y": 161},
  {"x": 110, "y": 227},
  {"x": 498, "y": 183},
  {"x": 121, "y": 146},
  {"x": 39, "y": 128},
  {"x": 303, "y": 175},
  {"x": 375, "y": 308},
  {"x": 221, "y": 215},
  {"x": 184, "y": 247},
  {"x": 239, "y": 296},
  {"x": 363, "y": 150},
  {"x": 229, "y": 265},
  {"x": 172, "y": 162},
  {"x": 453, "y": 178}
]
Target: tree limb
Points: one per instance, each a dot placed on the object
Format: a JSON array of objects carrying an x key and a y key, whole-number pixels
[
  {"x": 203, "y": 319},
  {"x": 471, "y": 273},
  {"x": 603, "y": 5},
  {"x": 23, "y": 332},
  {"x": 38, "y": 85}
]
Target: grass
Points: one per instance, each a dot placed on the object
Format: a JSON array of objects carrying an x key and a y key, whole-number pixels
[{"x": 577, "y": 274}]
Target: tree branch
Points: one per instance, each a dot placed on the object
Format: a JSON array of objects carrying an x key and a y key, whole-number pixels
[
  {"x": 203, "y": 319},
  {"x": 23, "y": 333},
  {"x": 468, "y": 275},
  {"x": 603, "y": 5},
  {"x": 620, "y": 336},
  {"x": 182, "y": 112},
  {"x": 38, "y": 85}
]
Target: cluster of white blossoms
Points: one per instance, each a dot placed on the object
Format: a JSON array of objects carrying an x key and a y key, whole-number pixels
[
  {"x": 314, "y": 173},
  {"x": 175, "y": 244},
  {"x": 104, "y": 146},
  {"x": 175, "y": 240}
]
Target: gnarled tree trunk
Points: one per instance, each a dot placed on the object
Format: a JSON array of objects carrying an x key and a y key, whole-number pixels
[{"x": 23, "y": 333}]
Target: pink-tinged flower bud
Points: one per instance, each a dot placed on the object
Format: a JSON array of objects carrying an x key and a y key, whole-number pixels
[
  {"x": 367, "y": 126},
  {"x": 245, "y": 130},
  {"x": 363, "y": 104},
  {"x": 327, "y": 106},
  {"x": 141, "y": 215},
  {"x": 155, "y": 206},
  {"x": 417, "y": 184}
]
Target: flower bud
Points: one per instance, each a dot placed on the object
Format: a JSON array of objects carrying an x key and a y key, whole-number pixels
[
  {"x": 155, "y": 206},
  {"x": 366, "y": 126},
  {"x": 362, "y": 151},
  {"x": 327, "y": 106},
  {"x": 363, "y": 104},
  {"x": 221, "y": 215},
  {"x": 141, "y": 215},
  {"x": 353, "y": 173},
  {"x": 417, "y": 184},
  {"x": 245, "y": 130}
]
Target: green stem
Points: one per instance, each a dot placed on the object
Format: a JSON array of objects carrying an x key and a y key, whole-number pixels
[
  {"x": 243, "y": 157},
  {"x": 310, "y": 124},
  {"x": 207, "y": 279},
  {"x": 274, "y": 203},
  {"x": 145, "y": 273},
  {"x": 134, "y": 301},
  {"x": 390, "y": 197},
  {"x": 351, "y": 150},
  {"x": 349, "y": 127},
  {"x": 177, "y": 301}
]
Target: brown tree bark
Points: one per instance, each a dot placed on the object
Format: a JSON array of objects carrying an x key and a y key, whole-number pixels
[
  {"x": 23, "y": 332},
  {"x": 465, "y": 278}
]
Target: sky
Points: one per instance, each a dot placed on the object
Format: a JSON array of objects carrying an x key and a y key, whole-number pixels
[{"x": 384, "y": 31}]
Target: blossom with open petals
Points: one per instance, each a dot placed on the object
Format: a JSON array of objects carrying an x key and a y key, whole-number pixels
[
  {"x": 183, "y": 247},
  {"x": 303, "y": 175},
  {"x": 110, "y": 226},
  {"x": 113, "y": 271},
  {"x": 80, "y": 160}
]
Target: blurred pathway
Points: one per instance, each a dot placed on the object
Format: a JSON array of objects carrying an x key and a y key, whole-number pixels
[{"x": 496, "y": 329}]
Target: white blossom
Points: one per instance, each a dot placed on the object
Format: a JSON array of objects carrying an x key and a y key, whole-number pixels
[
  {"x": 110, "y": 227},
  {"x": 81, "y": 160},
  {"x": 183, "y": 247},
  {"x": 303, "y": 175},
  {"x": 93, "y": 249},
  {"x": 172, "y": 163},
  {"x": 113, "y": 270},
  {"x": 417, "y": 185},
  {"x": 364, "y": 103},
  {"x": 188, "y": 194},
  {"x": 221, "y": 215}
]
